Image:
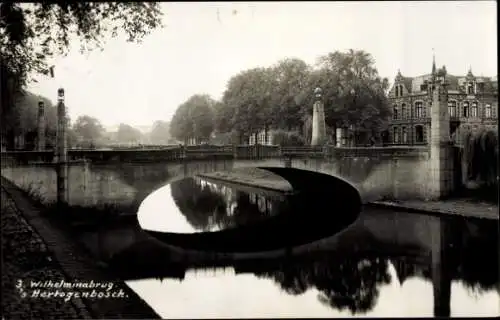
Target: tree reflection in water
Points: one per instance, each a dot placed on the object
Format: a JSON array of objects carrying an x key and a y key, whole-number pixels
[
  {"x": 208, "y": 206},
  {"x": 478, "y": 257},
  {"x": 344, "y": 283}
]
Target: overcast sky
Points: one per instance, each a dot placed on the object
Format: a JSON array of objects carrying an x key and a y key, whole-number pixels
[{"x": 204, "y": 44}]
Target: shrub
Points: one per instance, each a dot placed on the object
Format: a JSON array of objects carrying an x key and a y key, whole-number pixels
[
  {"x": 287, "y": 138},
  {"x": 480, "y": 158}
]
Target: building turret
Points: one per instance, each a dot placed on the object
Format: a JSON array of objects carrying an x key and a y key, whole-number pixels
[{"x": 433, "y": 66}]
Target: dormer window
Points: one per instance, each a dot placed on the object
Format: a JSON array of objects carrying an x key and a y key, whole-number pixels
[
  {"x": 470, "y": 88},
  {"x": 399, "y": 90}
]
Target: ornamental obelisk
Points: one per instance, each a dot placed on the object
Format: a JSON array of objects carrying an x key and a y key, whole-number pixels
[{"x": 318, "y": 120}]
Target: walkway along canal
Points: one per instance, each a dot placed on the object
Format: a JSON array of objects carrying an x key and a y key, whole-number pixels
[{"x": 36, "y": 249}]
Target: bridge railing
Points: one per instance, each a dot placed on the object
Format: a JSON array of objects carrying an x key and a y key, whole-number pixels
[
  {"x": 125, "y": 155},
  {"x": 303, "y": 151},
  {"x": 256, "y": 151},
  {"x": 16, "y": 158},
  {"x": 375, "y": 151},
  {"x": 204, "y": 151},
  {"x": 250, "y": 152}
]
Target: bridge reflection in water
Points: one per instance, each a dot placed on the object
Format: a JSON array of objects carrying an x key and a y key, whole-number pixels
[{"x": 385, "y": 264}]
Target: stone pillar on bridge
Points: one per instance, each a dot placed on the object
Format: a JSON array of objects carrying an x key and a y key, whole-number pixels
[
  {"x": 441, "y": 157},
  {"x": 318, "y": 120},
  {"x": 41, "y": 127},
  {"x": 61, "y": 156}
]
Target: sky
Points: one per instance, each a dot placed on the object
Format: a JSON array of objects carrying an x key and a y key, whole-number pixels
[{"x": 203, "y": 44}]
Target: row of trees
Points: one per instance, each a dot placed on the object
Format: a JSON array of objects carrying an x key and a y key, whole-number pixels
[
  {"x": 281, "y": 97},
  {"x": 89, "y": 132},
  {"x": 21, "y": 121},
  {"x": 21, "y": 124},
  {"x": 31, "y": 34}
]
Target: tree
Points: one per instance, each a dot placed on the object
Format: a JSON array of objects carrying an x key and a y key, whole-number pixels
[
  {"x": 194, "y": 119},
  {"x": 354, "y": 94},
  {"x": 223, "y": 117},
  {"x": 290, "y": 94},
  {"x": 249, "y": 99},
  {"x": 30, "y": 34},
  {"x": 88, "y": 129},
  {"x": 160, "y": 134},
  {"x": 128, "y": 134},
  {"x": 22, "y": 122},
  {"x": 479, "y": 157}
]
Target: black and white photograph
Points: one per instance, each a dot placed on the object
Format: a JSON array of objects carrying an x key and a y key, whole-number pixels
[{"x": 229, "y": 160}]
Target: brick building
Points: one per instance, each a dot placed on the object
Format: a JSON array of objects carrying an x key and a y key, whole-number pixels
[{"x": 472, "y": 104}]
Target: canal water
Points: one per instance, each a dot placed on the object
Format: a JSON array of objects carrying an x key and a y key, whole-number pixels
[{"x": 386, "y": 263}]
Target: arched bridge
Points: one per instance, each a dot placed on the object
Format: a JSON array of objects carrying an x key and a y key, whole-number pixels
[{"x": 125, "y": 177}]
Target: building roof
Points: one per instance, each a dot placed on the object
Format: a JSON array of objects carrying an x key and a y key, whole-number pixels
[
  {"x": 407, "y": 82},
  {"x": 456, "y": 84}
]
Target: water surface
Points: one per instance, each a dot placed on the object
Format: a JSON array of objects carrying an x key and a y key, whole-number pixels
[
  {"x": 385, "y": 264},
  {"x": 194, "y": 205}
]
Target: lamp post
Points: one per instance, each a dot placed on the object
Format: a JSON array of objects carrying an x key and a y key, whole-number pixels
[
  {"x": 41, "y": 126},
  {"x": 352, "y": 126},
  {"x": 61, "y": 149}
]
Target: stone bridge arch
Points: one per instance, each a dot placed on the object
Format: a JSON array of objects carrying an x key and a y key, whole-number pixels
[
  {"x": 311, "y": 175},
  {"x": 127, "y": 184},
  {"x": 126, "y": 178}
]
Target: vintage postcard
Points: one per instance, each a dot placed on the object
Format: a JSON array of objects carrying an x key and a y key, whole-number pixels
[{"x": 167, "y": 160}]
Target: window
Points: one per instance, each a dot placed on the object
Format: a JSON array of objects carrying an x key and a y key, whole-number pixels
[
  {"x": 465, "y": 110},
  {"x": 452, "y": 108},
  {"x": 396, "y": 135},
  {"x": 419, "y": 109},
  {"x": 419, "y": 134},
  {"x": 474, "y": 109},
  {"x": 401, "y": 90},
  {"x": 344, "y": 136},
  {"x": 403, "y": 111},
  {"x": 395, "y": 112},
  {"x": 470, "y": 88},
  {"x": 397, "y": 90},
  {"x": 487, "y": 111},
  {"x": 405, "y": 135},
  {"x": 261, "y": 137}
]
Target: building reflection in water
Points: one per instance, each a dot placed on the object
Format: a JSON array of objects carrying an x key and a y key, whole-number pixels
[
  {"x": 209, "y": 207},
  {"x": 384, "y": 257}
]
